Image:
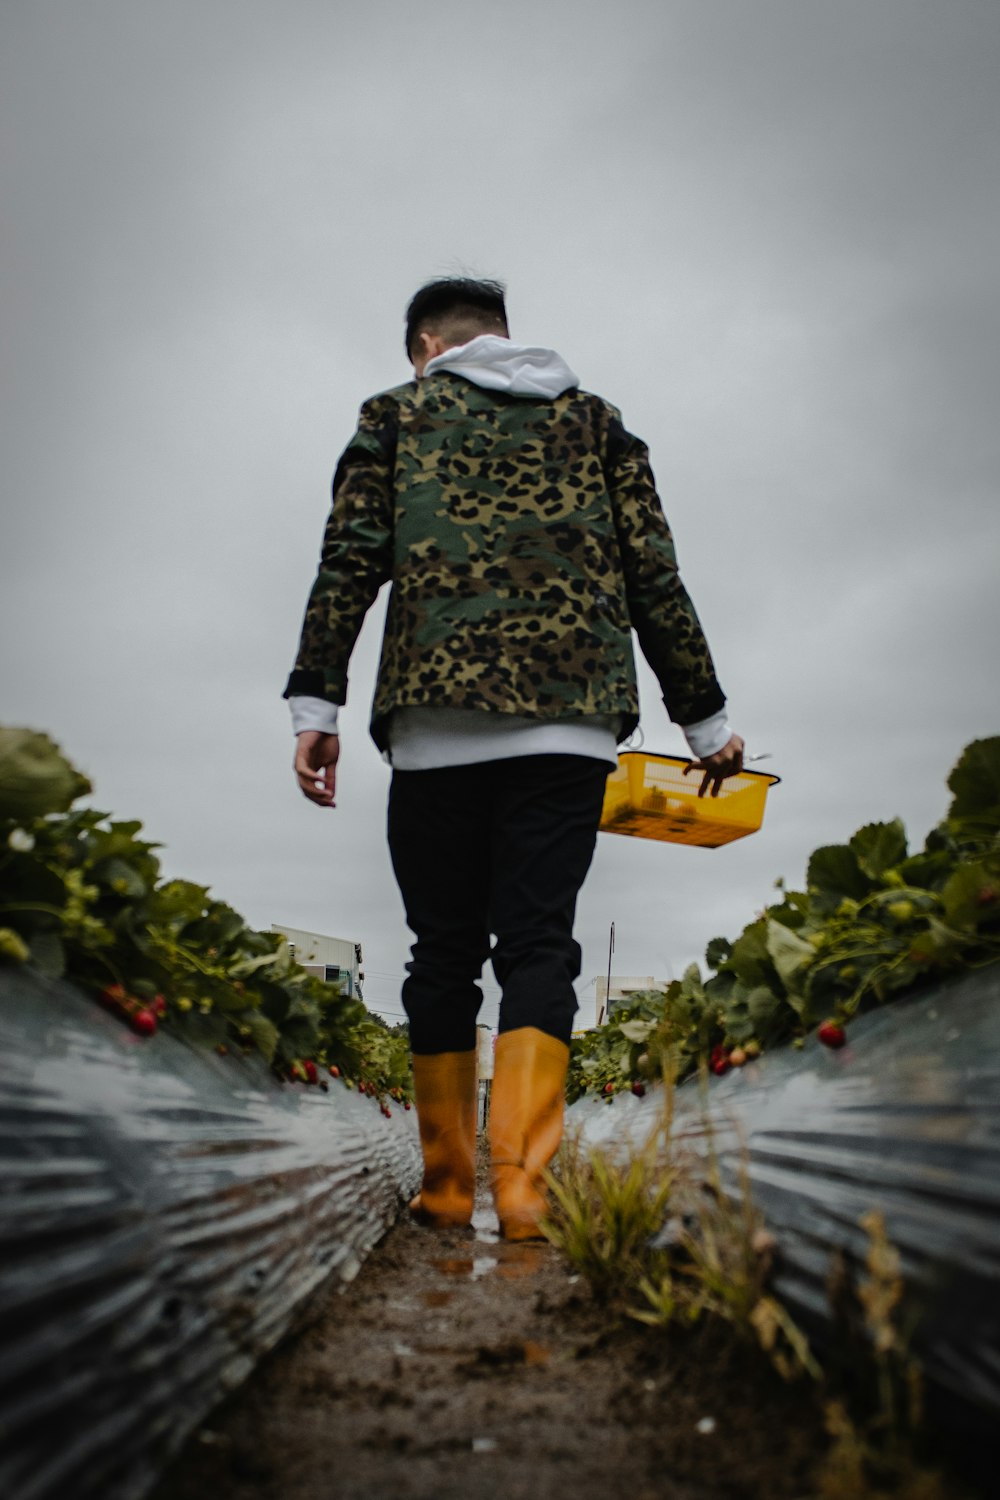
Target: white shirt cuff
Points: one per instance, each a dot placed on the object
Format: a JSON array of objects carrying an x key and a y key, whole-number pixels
[
  {"x": 313, "y": 713},
  {"x": 708, "y": 735}
]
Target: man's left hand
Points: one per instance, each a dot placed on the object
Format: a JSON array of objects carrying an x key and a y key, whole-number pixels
[{"x": 725, "y": 762}]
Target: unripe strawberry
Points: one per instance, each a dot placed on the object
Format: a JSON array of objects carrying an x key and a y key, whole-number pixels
[
  {"x": 752, "y": 1048},
  {"x": 987, "y": 895},
  {"x": 158, "y": 1005},
  {"x": 832, "y": 1034},
  {"x": 334, "y": 1071},
  {"x": 737, "y": 1057},
  {"x": 609, "y": 1088},
  {"x": 900, "y": 911}
]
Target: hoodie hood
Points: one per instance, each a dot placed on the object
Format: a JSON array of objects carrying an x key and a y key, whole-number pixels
[{"x": 498, "y": 365}]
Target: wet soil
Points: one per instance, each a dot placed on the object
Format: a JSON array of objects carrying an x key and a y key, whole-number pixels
[{"x": 459, "y": 1366}]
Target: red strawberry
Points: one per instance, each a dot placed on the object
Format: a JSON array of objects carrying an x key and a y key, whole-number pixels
[
  {"x": 144, "y": 1022},
  {"x": 334, "y": 1071},
  {"x": 832, "y": 1034},
  {"x": 158, "y": 1005},
  {"x": 407, "y": 1104},
  {"x": 987, "y": 895},
  {"x": 312, "y": 1075},
  {"x": 720, "y": 1066},
  {"x": 609, "y": 1088},
  {"x": 639, "y": 1090}
]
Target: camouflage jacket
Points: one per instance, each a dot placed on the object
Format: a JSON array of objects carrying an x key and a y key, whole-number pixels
[{"x": 522, "y": 538}]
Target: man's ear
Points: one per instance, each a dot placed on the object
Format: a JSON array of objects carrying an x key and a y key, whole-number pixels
[
  {"x": 432, "y": 344},
  {"x": 427, "y": 346}
]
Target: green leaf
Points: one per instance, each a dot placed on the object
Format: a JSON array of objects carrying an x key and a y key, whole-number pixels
[
  {"x": 975, "y": 782},
  {"x": 879, "y": 846},
  {"x": 833, "y": 873},
  {"x": 750, "y": 959},
  {"x": 263, "y": 1032},
  {"x": 120, "y": 877},
  {"x": 765, "y": 1008},
  {"x": 35, "y": 776},
  {"x": 247, "y": 966},
  {"x": 718, "y": 950},
  {"x": 960, "y": 895},
  {"x": 789, "y": 953},
  {"x": 928, "y": 870},
  {"x": 637, "y": 1031},
  {"x": 48, "y": 954}
]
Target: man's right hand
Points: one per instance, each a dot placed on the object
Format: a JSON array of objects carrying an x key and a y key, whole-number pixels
[
  {"x": 725, "y": 762},
  {"x": 315, "y": 765}
]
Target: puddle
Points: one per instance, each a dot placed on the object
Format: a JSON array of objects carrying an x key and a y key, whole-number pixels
[
  {"x": 521, "y": 1260},
  {"x": 472, "y": 1267},
  {"x": 486, "y": 1224},
  {"x": 463, "y": 1267},
  {"x": 513, "y": 1262}
]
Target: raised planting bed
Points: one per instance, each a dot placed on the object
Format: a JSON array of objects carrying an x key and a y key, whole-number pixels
[
  {"x": 904, "y": 1119},
  {"x": 165, "y": 1215}
]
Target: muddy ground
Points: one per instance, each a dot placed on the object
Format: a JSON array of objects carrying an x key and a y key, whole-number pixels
[{"x": 457, "y": 1366}]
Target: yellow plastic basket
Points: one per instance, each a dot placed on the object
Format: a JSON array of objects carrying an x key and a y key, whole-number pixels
[{"x": 649, "y": 797}]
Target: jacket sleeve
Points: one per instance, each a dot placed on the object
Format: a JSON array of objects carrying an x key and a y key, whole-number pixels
[
  {"x": 355, "y": 560},
  {"x": 660, "y": 609}
]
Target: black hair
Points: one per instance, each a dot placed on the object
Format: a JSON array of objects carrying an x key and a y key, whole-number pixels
[{"x": 454, "y": 296}]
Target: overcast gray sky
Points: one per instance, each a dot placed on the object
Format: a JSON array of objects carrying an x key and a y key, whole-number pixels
[{"x": 766, "y": 229}]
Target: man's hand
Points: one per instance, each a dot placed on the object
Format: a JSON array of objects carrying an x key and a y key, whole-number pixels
[
  {"x": 725, "y": 762},
  {"x": 316, "y": 756}
]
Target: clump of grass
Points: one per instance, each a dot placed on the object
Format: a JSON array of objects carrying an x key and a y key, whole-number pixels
[
  {"x": 875, "y": 1422},
  {"x": 658, "y": 1235},
  {"x": 604, "y": 1213}
]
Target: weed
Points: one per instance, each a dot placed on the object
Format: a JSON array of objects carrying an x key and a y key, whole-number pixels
[
  {"x": 604, "y": 1214},
  {"x": 711, "y": 1258}
]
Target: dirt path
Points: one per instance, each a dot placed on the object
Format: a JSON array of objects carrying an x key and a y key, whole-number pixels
[{"x": 457, "y": 1366}]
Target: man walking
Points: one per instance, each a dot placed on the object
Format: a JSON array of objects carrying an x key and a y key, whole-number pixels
[{"x": 518, "y": 523}]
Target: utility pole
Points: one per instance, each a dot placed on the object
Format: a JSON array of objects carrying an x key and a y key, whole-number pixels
[{"x": 607, "y": 992}]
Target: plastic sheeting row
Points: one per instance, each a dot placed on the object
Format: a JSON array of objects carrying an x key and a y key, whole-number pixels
[
  {"x": 165, "y": 1215},
  {"x": 904, "y": 1119}
]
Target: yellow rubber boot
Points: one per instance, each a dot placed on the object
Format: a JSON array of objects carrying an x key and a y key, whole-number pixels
[
  {"x": 526, "y": 1125},
  {"x": 445, "y": 1088}
]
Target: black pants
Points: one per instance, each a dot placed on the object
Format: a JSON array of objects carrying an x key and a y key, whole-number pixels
[{"x": 502, "y": 848}]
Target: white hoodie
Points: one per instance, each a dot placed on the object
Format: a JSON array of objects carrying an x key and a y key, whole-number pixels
[{"x": 423, "y": 739}]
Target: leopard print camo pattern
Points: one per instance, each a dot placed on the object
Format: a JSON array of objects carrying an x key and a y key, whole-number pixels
[{"x": 523, "y": 538}]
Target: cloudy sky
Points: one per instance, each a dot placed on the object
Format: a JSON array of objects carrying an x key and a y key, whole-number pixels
[{"x": 766, "y": 229}]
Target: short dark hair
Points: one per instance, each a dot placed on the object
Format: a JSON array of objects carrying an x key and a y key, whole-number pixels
[{"x": 456, "y": 296}]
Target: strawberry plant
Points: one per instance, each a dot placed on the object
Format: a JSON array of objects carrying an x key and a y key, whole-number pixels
[
  {"x": 82, "y": 896},
  {"x": 873, "y": 921}
]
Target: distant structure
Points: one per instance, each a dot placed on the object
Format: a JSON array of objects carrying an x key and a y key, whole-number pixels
[
  {"x": 337, "y": 960},
  {"x": 622, "y": 987}
]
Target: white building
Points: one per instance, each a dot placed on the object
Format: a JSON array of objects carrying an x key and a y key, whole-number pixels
[
  {"x": 622, "y": 986},
  {"x": 338, "y": 960}
]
